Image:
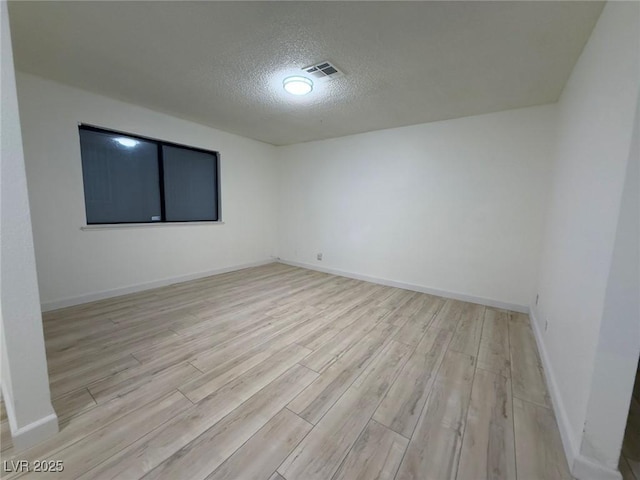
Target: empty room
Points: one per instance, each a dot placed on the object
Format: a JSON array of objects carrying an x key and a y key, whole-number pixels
[{"x": 290, "y": 240}]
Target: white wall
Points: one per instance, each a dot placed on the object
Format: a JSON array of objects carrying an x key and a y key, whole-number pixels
[
  {"x": 25, "y": 382},
  {"x": 619, "y": 339},
  {"x": 454, "y": 206},
  {"x": 74, "y": 265},
  {"x": 595, "y": 118}
]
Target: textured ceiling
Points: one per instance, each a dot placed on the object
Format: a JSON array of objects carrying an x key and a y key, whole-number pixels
[{"x": 222, "y": 63}]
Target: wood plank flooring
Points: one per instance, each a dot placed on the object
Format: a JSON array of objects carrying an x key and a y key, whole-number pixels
[{"x": 281, "y": 373}]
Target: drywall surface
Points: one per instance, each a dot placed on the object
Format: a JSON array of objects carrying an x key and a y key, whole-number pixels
[
  {"x": 454, "y": 206},
  {"x": 25, "y": 382},
  {"x": 75, "y": 265},
  {"x": 619, "y": 339},
  {"x": 595, "y": 119}
]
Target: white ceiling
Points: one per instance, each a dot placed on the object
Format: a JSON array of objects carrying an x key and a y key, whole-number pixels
[{"x": 222, "y": 63}]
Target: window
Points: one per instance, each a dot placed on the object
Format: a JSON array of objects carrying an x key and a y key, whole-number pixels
[{"x": 129, "y": 179}]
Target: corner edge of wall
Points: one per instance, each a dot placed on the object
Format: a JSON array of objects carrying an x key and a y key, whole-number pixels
[
  {"x": 33, "y": 433},
  {"x": 581, "y": 467}
]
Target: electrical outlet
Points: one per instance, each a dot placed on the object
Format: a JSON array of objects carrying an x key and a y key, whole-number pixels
[
  {"x": 319, "y": 256},
  {"x": 537, "y": 297}
]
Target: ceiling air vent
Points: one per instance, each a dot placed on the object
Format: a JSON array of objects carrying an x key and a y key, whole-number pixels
[{"x": 323, "y": 71}]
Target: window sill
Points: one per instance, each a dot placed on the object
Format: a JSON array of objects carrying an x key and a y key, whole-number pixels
[{"x": 114, "y": 226}]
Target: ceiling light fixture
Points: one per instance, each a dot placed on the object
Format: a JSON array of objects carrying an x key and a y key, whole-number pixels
[
  {"x": 297, "y": 85},
  {"x": 127, "y": 142}
]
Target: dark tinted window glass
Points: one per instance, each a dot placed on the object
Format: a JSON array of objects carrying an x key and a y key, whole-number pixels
[
  {"x": 121, "y": 179},
  {"x": 189, "y": 184}
]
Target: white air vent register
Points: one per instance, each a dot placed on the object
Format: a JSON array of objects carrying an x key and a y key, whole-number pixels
[{"x": 323, "y": 71}]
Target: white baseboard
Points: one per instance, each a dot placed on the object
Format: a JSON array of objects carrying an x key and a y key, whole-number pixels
[
  {"x": 92, "y": 297},
  {"x": 35, "y": 432},
  {"x": 581, "y": 467},
  {"x": 585, "y": 468},
  {"x": 571, "y": 450},
  {"x": 489, "y": 302}
]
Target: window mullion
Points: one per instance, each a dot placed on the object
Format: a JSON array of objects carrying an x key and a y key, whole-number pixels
[{"x": 163, "y": 216}]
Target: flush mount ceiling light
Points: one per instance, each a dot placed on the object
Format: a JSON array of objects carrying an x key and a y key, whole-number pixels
[
  {"x": 126, "y": 142},
  {"x": 297, "y": 85}
]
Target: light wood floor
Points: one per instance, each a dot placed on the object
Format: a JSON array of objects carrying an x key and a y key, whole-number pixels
[{"x": 280, "y": 373}]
